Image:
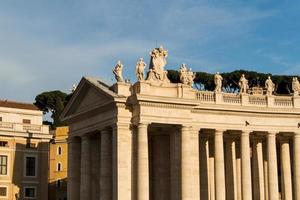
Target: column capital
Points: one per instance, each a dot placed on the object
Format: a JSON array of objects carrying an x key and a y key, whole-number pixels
[
  {"x": 185, "y": 127},
  {"x": 73, "y": 140},
  {"x": 104, "y": 131},
  {"x": 272, "y": 133},
  {"x": 297, "y": 134},
  {"x": 245, "y": 132},
  {"x": 85, "y": 137},
  {"x": 142, "y": 124},
  {"x": 120, "y": 125},
  {"x": 219, "y": 131}
]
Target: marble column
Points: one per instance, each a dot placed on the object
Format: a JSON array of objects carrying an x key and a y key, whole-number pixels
[
  {"x": 190, "y": 181},
  {"x": 246, "y": 166},
  {"x": 142, "y": 163},
  {"x": 286, "y": 190},
  {"x": 266, "y": 170},
  {"x": 204, "y": 169},
  {"x": 74, "y": 157},
  {"x": 85, "y": 176},
  {"x": 122, "y": 161},
  {"x": 297, "y": 165},
  {"x": 211, "y": 168},
  {"x": 258, "y": 170},
  {"x": 272, "y": 166},
  {"x": 106, "y": 164},
  {"x": 230, "y": 166},
  {"x": 238, "y": 171},
  {"x": 219, "y": 166}
]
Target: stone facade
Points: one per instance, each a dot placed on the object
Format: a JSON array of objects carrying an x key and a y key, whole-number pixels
[
  {"x": 159, "y": 140},
  {"x": 58, "y": 164},
  {"x": 24, "y": 147}
]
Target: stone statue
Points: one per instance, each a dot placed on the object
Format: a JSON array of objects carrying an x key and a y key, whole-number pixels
[
  {"x": 295, "y": 86},
  {"x": 157, "y": 64},
  {"x": 270, "y": 86},
  {"x": 139, "y": 69},
  {"x": 218, "y": 82},
  {"x": 118, "y": 71},
  {"x": 186, "y": 76},
  {"x": 73, "y": 88},
  {"x": 243, "y": 83},
  {"x": 191, "y": 76}
]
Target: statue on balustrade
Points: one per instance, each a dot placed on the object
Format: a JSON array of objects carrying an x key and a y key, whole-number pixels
[
  {"x": 186, "y": 76},
  {"x": 157, "y": 63},
  {"x": 118, "y": 72},
  {"x": 295, "y": 86},
  {"x": 270, "y": 86},
  {"x": 139, "y": 69},
  {"x": 243, "y": 83},
  {"x": 218, "y": 82}
]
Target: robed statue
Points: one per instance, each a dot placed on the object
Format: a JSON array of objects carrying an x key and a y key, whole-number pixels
[
  {"x": 243, "y": 83},
  {"x": 270, "y": 86},
  {"x": 218, "y": 82},
  {"x": 295, "y": 86},
  {"x": 139, "y": 69},
  {"x": 186, "y": 76},
  {"x": 118, "y": 72}
]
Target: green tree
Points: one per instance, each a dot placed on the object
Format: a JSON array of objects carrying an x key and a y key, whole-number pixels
[{"x": 53, "y": 102}]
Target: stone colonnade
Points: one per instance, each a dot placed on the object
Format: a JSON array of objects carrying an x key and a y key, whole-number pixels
[{"x": 215, "y": 164}]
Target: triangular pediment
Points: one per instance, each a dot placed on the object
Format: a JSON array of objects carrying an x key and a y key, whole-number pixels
[{"x": 90, "y": 94}]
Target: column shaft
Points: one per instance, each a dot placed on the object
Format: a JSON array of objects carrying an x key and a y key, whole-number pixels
[
  {"x": 74, "y": 169},
  {"x": 258, "y": 171},
  {"x": 297, "y": 166},
  {"x": 85, "y": 168},
  {"x": 204, "y": 169},
  {"x": 238, "y": 172},
  {"x": 142, "y": 163},
  {"x": 286, "y": 191},
  {"x": 272, "y": 166},
  {"x": 106, "y": 165},
  {"x": 190, "y": 188},
  {"x": 230, "y": 166},
  {"x": 219, "y": 166},
  {"x": 266, "y": 170},
  {"x": 246, "y": 166}
]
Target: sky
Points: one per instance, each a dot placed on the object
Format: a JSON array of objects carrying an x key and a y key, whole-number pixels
[{"x": 50, "y": 45}]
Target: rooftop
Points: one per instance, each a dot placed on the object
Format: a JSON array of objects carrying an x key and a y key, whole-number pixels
[{"x": 19, "y": 105}]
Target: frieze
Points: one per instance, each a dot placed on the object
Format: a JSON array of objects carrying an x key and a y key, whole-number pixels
[{"x": 165, "y": 105}]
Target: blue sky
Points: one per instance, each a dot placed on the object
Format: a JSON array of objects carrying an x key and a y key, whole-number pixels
[{"x": 48, "y": 45}]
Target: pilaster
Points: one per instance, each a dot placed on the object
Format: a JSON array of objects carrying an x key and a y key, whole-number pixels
[{"x": 122, "y": 165}]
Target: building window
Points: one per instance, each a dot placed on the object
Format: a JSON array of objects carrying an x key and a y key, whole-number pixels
[
  {"x": 58, "y": 166},
  {"x": 30, "y": 166},
  {"x": 3, "y": 144},
  {"x": 59, "y": 151},
  {"x": 3, "y": 165},
  {"x": 26, "y": 121},
  {"x": 0, "y": 119},
  {"x": 3, "y": 191},
  {"x": 29, "y": 192}
]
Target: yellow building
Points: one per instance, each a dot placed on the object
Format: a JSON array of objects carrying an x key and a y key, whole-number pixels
[
  {"x": 24, "y": 147},
  {"x": 58, "y": 164}
]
